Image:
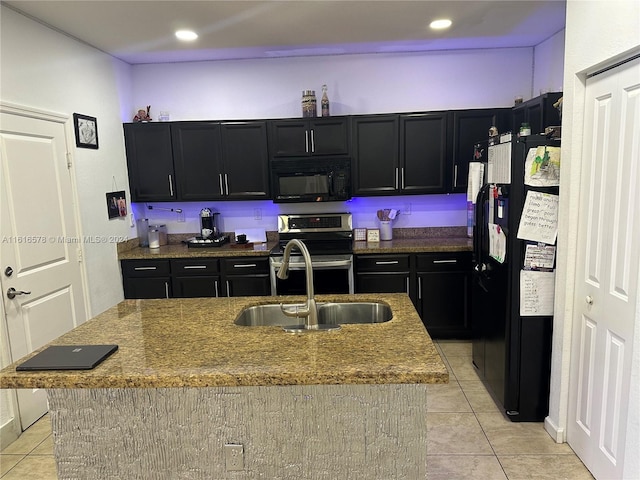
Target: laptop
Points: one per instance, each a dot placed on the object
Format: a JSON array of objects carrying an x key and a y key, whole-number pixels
[{"x": 68, "y": 357}]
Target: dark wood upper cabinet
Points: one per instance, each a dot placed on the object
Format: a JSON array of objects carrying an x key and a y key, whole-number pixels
[
  {"x": 309, "y": 136},
  {"x": 245, "y": 160},
  {"x": 423, "y": 153},
  {"x": 150, "y": 162},
  {"x": 538, "y": 112},
  {"x": 469, "y": 127},
  {"x": 375, "y": 155},
  {"x": 197, "y": 153}
]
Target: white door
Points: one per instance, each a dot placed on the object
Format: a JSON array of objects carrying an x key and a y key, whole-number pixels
[
  {"x": 36, "y": 222},
  {"x": 607, "y": 271}
]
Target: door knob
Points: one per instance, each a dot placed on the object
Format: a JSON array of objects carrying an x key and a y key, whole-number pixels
[
  {"x": 589, "y": 300},
  {"x": 12, "y": 292}
]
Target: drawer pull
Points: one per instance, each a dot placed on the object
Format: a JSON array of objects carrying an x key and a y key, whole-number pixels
[
  {"x": 419, "y": 288},
  {"x": 137, "y": 269},
  {"x": 215, "y": 285},
  {"x": 166, "y": 290},
  {"x": 387, "y": 262},
  {"x": 245, "y": 265},
  {"x": 445, "y": 261},
  {"x": 194, "y": 267},
  {"x": 407, "y": 285}
]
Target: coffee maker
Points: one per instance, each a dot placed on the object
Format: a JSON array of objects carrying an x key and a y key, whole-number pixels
[
  {"x": 210, "y": 235},
  {"x": 208, "y": 224}
]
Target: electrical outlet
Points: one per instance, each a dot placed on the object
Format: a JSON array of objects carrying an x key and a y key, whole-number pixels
[
  {"x": 257, "y": 214},
  {"x": 407, "y": 209},
  {"x": 233, "y": 457}
]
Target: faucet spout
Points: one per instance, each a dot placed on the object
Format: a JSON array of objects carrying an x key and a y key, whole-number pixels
[{"x": 310, "y": 309}]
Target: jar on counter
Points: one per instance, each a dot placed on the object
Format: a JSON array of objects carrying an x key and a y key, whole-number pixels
[{"x": 309, "y": 105}]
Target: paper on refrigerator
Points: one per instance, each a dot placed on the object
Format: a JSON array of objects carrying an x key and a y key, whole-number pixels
[
  {"x": 539, "y": 220},
  {"x": 542, "y": 167},
  {"x": 497, "y": 243},
  {"x": 537, "y": 292},
  {"x": 475, "y": 181},
  {"x": 499, "y": 163}
]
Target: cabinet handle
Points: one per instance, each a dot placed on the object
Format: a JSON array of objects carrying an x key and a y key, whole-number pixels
[
  {"x": 166, "y": 289},
  {"x": 306, "y": 141},
  {"x": 171, "y": 185},
  {"x": 226, "y": 184},
  {"x": 228, "y": 289},
  {"x": 407, "y": 285},
  {"x": 215, "y": 286},
  {"x": 455, "y": 175},
  {"x": 419, "y": 288},
  {"x": 245, "y": 265},
  {"x": 221, "y": 187},
  {"x": 387, "y": 262},
  {"x": 193, "y": 267},
  {"x": 446, "y": 261},
  {"x": 396, "y": 186},
  {"x": 144, "y": 268},
  {"x": 313, "y": 143},
  {"x": 402, "y": 176}
]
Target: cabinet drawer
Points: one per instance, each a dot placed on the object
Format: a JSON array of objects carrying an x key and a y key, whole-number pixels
[
  {"x": 145, "y": 268},
  {"x": 443, "y": 262},
  {"x": 245, "y": 265},
  {"x": 195, "y": 266},
  {"x": 382, "y": 263}
]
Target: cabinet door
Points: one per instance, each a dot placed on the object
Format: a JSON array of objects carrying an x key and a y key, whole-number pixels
[
  {"x": 151, "y": 287},
  {"x": 197, "y": 286},
  {"x": 289, "y": 138},
  {"x": 468, "y": 128},
  {"x": 383, "y": 283},
  {"x": 246, "y": 276},
  {"x": 443, "y": 300},
  {"x": 198, "y": 160},
  {"x": 375, "y": 166},
  {"x": 150, "y": 162},
  {"x": 245, "y": 158},
  {"x": 329, "y": 137},
  {"x": 423, "y": 152}
]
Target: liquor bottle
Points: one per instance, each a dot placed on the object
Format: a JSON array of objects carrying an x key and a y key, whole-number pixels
[{"x": 324, "y": 102}]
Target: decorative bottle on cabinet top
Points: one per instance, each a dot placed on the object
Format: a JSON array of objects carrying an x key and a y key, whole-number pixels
[
  {"x": 324, "y": 102},
  {"x": 309, "y": 103}
]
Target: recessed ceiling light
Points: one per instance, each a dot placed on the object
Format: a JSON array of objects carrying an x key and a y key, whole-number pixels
[
  {"x": 440, "y": 24},
  {"x": 186, "y": 35}
]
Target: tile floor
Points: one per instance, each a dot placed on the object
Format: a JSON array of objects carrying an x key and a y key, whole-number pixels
[{"x": 468, "y": 437}]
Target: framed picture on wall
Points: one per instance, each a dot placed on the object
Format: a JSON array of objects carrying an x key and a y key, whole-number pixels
[
  {"x": 86, "y": 129},
  {"x": 116, "y": 204}
]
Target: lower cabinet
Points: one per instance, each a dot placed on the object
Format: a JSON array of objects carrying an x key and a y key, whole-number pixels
[
  {"x": 438, "y": 284},
  {"x": 146, "y": 278},
  {"x": 193, "y": 277},
  {"x": 443, "y": 293}
]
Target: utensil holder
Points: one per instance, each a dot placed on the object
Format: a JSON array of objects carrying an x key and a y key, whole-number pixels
[{"x": 386, "y": 231}]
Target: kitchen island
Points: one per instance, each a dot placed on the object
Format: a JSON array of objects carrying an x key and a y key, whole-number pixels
[{"x": 185, "y": 381}]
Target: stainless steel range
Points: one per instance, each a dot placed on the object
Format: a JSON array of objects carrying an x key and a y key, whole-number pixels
[{"x": 329, "y": 239}]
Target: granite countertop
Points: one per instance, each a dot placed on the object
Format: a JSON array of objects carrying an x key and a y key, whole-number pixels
[
  {"x": 182, "y": 251},
  {"x": 415, "y": 245},
  {"x": 193, "y": 342}
]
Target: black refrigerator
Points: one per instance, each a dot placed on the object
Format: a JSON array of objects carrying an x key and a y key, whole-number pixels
[{"x": 513, "y": 277}]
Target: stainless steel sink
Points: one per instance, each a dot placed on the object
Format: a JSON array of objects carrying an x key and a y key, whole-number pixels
[{"x": 328, "y": 314}]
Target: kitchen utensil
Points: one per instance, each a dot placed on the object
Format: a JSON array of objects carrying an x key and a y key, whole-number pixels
[{"x": 393, "y": 213}]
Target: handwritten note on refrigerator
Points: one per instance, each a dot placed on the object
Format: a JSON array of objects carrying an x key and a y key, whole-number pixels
[
  {"x": 539, "y": 220},
  {"x": 536, "y": 293}
]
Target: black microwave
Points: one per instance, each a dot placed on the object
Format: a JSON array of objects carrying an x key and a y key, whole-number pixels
[{"x": 311, "y": 179}]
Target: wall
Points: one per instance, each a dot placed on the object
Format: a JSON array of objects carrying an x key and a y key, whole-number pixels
[
  {"x": 45, "y": 70},
  {"x": 548, "y": 65},
  {"x": 597, "y": 31},
  {"x": 357, "y": 84}
]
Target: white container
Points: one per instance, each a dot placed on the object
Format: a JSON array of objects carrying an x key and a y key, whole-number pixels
[
  {"x": 386, "y": 231},
  {"x": 157, "y": 236}
]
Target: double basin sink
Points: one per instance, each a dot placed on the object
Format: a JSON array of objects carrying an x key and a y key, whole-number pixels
[{"x": 329, "y": 313}]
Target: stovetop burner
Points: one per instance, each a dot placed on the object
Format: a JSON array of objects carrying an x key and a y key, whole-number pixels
[{"x": 200, "y": 242}]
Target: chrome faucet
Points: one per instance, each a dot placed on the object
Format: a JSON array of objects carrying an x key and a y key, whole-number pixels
[{"x": 310, "y": 310}]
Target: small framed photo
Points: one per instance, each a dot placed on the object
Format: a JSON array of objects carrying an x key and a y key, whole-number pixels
[
  {"x": 359, "y": 234},
  {"x": 86, "y": 129},
  {"x": 116, "y": 204},
  {"x": 373, "y": 234}
]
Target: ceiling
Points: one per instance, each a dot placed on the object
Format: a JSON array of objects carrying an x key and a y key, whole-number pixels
[{"x": 143, "y": 31}]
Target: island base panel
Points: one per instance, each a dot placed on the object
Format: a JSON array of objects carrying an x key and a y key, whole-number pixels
[{"x": 288, "y": 432}]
